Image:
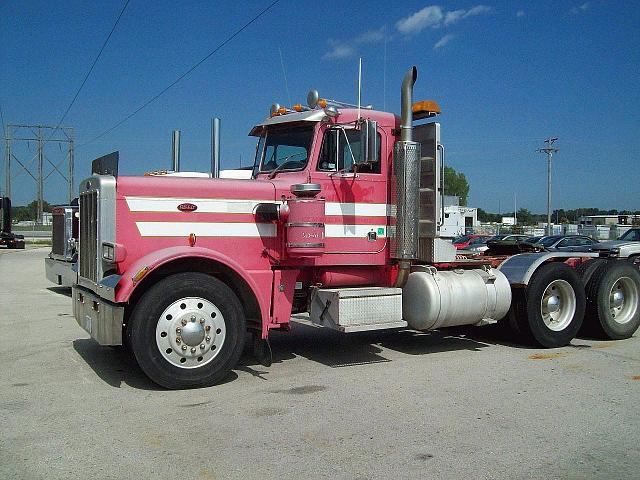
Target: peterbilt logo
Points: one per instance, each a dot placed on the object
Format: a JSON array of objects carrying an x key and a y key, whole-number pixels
[{"x": 187, "y": 207}]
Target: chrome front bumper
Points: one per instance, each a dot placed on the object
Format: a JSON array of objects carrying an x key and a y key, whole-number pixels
[
  {"x": 97, "y": 316},
  {"x": 60, "y": 272}
]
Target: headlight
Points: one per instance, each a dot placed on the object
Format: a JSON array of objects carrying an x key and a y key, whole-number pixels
[{"x": 108, "y": 252}]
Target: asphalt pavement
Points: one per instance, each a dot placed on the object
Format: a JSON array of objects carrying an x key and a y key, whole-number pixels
[{"x": 463, "y": 403}]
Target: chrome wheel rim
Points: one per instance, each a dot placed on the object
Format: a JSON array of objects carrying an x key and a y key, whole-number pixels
[
  {"x": 190, "y": 332},
  {"x": 623, "y": 300},
  {"x": 558, "y": 305}
]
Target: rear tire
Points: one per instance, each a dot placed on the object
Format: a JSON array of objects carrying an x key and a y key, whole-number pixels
[
  {"x": 613, "y": 293},
  {"x": 187, "y": 331},
  {"x": 550, "y": 311}
]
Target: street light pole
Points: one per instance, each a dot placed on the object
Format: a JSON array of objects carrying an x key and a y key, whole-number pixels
[{"x": 549, "y": 150}]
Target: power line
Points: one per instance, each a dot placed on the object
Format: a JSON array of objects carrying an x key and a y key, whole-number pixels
[
  {"x": 86, "y": 77},
  {"x": 181, "y": 77},
  {"x": 2, "y": 119}
]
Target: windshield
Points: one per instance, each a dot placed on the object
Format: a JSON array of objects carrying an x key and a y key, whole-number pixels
[
  {"x": 283, "y": 149},
  {"x": 548, "y": 241},
  {"x": 461, "y": 239},
  {"x": 632, "y": 235}
]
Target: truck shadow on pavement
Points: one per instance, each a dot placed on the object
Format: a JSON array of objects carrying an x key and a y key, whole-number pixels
[
  {"x": 115, "y": 366},
  {"x": 335, "y": 349},
  {"x": 66, "y": 291}
]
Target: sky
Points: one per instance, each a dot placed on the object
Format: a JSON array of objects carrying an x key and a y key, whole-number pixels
[{"x": 506, "y": 74}]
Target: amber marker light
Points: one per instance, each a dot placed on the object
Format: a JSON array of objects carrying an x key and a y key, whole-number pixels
[
  {"x": 425, "y": 109},
  {"x": 140, "y": 274},
  {"x": 322, "y": 103},
  {"x": 192, "y": 239}
]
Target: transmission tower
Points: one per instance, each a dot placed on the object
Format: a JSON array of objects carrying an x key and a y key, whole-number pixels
[
  {"x": 42, "y": 135},
  {"x": 549, "y": 150}
]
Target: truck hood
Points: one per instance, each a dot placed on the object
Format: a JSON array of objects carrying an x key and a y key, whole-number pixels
[{"x": 191, "y": 189}]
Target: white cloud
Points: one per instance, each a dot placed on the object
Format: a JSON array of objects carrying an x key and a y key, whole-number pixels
[
  {"x": 477, "y": 10},
  {"x": 520, "y": 13},
  {"x": 430, "y": 16},
  {"x": 454, "y": 16},
  {"x": 581, "y": 8},
  {"x": 347, "y": 48},
  {"x": 433, "y": 16},
  {"x": 371, "y": 36},
  {"x": 443, "y": 41},
  {"x": 338, "y": 51}
]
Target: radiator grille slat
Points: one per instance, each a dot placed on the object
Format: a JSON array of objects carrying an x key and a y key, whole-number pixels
[
  {"x": 57, "y": 234},
  {"x": 89, "y": 235}
]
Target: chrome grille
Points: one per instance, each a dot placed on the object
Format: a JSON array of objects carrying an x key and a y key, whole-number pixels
[
  {"x": 89, "y": 235},
  {"x": 58, "y": 240}
]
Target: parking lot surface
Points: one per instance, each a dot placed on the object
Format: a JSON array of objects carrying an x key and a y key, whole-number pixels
[{"x": 461, "y": 403}]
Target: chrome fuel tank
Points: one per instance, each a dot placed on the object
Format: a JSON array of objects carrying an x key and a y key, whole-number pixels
[{"x": 433, "y": 299}]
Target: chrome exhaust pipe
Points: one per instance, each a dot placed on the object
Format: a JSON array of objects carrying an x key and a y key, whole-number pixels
[
  {"x": 406, "y": 166},
  {"x": 406, "y": 102}
]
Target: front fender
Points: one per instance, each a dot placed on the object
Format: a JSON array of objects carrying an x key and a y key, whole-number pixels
[{"x": 126, "y": 286}]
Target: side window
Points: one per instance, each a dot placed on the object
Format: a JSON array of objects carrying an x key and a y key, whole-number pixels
[{"x": 339, "y": 150}]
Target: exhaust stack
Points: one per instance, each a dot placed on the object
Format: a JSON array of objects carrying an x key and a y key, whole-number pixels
[
  {"x": 215, "y": 147},
  {"x": 406, "y": 166},
  {"x": 175, "y": 150}
]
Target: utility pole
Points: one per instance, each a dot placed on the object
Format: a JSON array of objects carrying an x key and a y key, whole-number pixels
[
  {"x": 549, "y": 150},
  {"x": 20, "y": 136}
]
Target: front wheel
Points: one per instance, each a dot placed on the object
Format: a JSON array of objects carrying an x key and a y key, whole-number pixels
[
  {"x": 187, "y": 331},
  {"x": 551, "y": 309}
]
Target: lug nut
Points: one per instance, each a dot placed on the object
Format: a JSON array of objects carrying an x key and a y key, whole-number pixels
[
  {"x": 193, "y": 318},
  {"x": 202, "y": 347},
  {"x": 208, "y": 338},
  {"x": 207, "y": 328},
  {"x": 178, "y": 340},
  {"x": 202, "y": 321},
  {"x": 184, "y": 347},
  {"x": 178, "y": 330},
  {"x": 184, "y": 322},
  {"x": 193, "y": 349}
]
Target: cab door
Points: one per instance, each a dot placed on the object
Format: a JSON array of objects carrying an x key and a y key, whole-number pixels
[{"x": 356, "y": 196}]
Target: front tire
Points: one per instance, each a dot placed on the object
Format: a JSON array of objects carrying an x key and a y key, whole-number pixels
[
  {"x": 551, "y": 309},
  {"x": 613, "y": 293},
  {"x": 187, "y": 331}
]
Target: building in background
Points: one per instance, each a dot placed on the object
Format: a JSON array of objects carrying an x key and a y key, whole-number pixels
[
  {"x": 458, "y": 220},
  {"x": 609, "y": 220}
]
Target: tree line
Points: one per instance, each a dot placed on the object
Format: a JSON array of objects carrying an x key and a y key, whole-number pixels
[
  {"x": 29, "y": 213},
  {"x": 525, "y": 217}
]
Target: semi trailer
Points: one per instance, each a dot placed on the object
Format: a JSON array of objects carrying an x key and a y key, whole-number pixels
[
  {"x": 61, "y": 264},
  {"x": 340, "y": 220},
  {"x": 7, "y": 237}
]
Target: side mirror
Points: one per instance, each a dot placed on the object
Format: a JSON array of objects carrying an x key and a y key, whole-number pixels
[{"x": 369, "y": 151}]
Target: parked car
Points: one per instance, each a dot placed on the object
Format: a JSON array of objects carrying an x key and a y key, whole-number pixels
[
  {"x": 503, "y": 238},
  {"x": 566, "y": 243},
  {"x": 461, "y": 243}
]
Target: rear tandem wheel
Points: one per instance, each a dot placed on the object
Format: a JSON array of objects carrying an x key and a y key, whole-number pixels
[{"x": 613, "y": 293}]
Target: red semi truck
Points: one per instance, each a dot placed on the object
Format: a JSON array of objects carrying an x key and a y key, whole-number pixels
[
  {"x": 341, "y": 220},
  {"x": 7, "y": 237}
]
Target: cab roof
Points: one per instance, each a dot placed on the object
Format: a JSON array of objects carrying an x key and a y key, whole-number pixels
[{"x": 346, "y": 115}]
